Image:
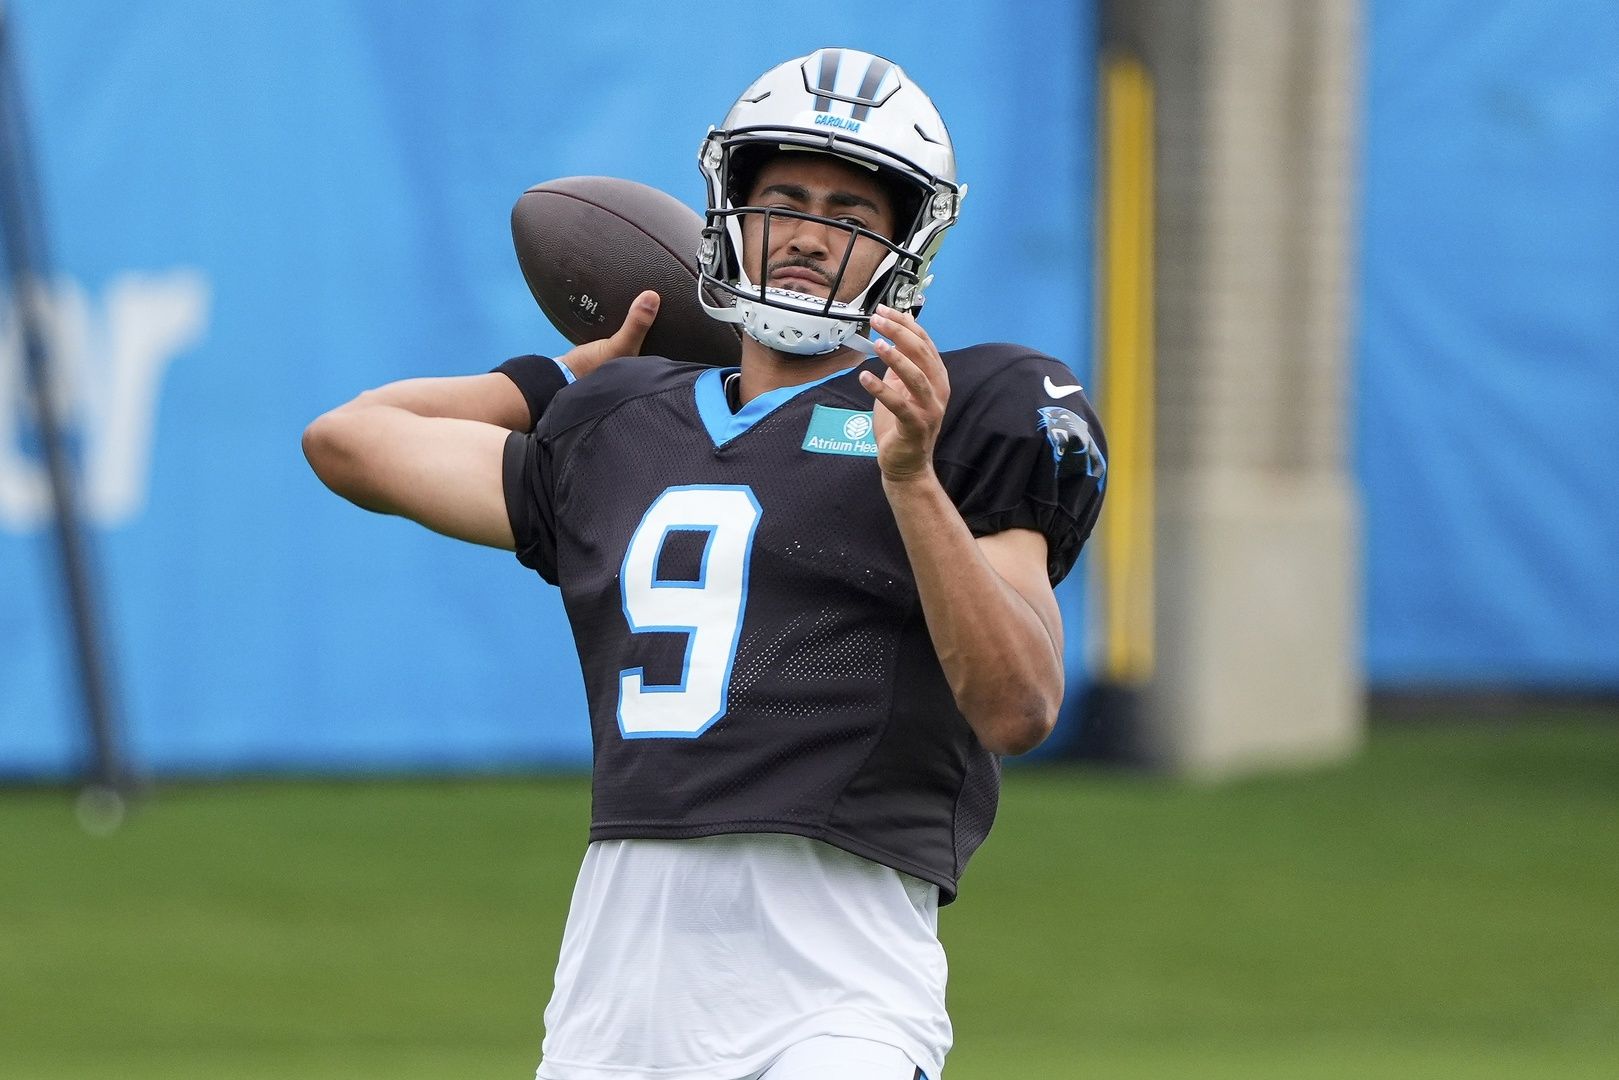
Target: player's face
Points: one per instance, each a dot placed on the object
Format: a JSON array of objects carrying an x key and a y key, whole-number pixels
[{"x": 804, "y": 255}]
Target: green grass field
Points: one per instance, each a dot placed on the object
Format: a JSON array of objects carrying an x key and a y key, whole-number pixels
[{"x": 1447, "y": 906}]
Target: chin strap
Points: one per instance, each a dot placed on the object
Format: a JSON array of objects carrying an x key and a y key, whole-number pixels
[{"x": 790, "y": 330}]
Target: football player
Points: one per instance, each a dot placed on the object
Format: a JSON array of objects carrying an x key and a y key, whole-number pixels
[{"x": 812, "y": 597}]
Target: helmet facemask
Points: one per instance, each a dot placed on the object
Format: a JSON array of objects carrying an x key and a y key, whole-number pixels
[{"x": 797, "y": 322}]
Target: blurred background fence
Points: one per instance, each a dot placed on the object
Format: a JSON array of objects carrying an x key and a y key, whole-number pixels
[{"x": 258, "y": 210}]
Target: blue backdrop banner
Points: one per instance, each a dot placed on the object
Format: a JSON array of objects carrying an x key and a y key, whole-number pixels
[
  {"x": 1489, "y": 343},
  {"x": 259, "y": 210}
]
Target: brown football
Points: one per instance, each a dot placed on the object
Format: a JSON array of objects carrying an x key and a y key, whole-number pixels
[{"x": 589, "y": 245}]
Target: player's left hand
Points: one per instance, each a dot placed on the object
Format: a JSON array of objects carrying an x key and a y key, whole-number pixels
[{"x": 910, "y": 398}]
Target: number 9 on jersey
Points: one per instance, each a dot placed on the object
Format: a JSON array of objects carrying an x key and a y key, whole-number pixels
[{"x": 708, "y": 608}]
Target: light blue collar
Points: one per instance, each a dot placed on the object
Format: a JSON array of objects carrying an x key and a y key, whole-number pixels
[{"x": 723, "y": 425}]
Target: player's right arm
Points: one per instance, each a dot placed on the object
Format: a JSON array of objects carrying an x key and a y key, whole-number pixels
[
  {"x": 431, "y": 449},
  {"x": 439, "y": 471}
]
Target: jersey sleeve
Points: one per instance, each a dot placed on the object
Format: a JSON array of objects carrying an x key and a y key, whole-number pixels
[
  {"x": 564, "y": 411},
  {"x": 539, "y": 378},
  {"x": 1024, "y": 450},
  {"x": 526, "y": 466},
  {"x": 526, "y": 476}
]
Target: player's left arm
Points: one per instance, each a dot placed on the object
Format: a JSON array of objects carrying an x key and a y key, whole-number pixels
[{"x": 988, "y": 601}]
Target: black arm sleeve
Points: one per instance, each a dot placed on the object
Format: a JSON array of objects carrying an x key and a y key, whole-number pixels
[{"x": 539, "y": 378}]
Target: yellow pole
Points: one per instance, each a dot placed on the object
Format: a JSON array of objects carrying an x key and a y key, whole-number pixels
[{"x": 1126, "y": 370}]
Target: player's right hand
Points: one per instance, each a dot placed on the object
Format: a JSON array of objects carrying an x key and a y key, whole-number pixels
[{"x": 583, "y": 359}]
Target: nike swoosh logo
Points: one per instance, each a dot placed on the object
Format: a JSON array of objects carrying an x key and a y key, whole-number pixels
[{"x": 1061, "y": 391}]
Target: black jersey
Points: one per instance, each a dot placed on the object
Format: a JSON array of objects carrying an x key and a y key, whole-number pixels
[{"x": 754, "y": 651}]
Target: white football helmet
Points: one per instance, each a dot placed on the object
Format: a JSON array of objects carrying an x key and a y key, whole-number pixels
[{"x": 861, "y": 108}]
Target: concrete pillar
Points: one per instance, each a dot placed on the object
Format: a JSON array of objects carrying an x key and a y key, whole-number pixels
[{"x": 1256, "y": 622}]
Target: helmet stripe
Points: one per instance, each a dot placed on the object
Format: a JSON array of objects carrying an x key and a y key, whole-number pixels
[
  {"x": 831, "y": 59},
  {"x": 875, "y": 74}
]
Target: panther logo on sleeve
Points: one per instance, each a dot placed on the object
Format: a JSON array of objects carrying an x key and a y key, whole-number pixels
[{"x": 1070, "y": 439}]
